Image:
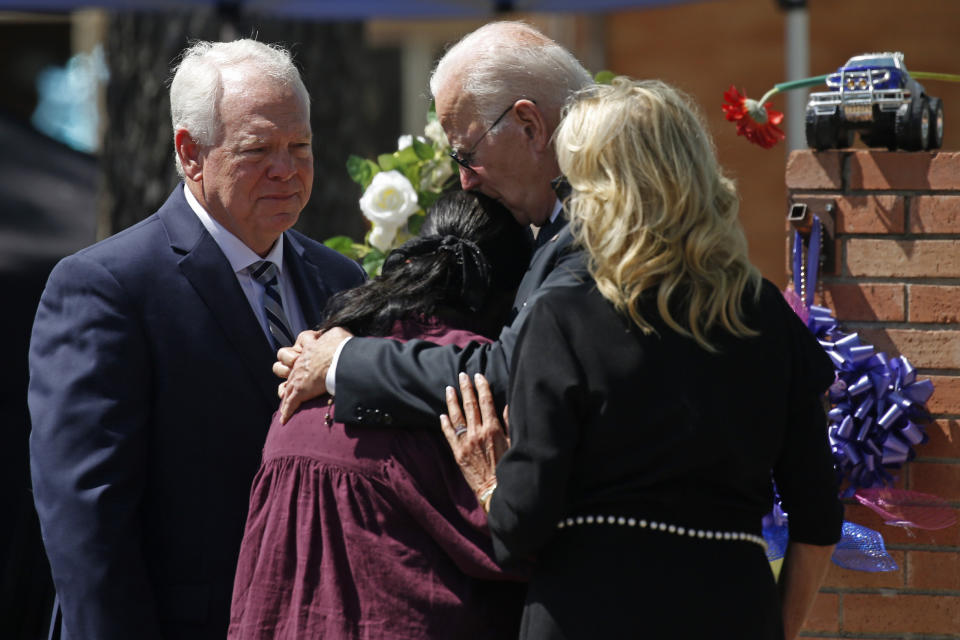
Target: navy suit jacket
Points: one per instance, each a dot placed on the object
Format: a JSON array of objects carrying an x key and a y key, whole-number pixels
[
  {"x": 150, "y": 395},
  {"x": 383, "y": 382}
]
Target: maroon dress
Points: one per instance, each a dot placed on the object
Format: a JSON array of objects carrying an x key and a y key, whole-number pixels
[{"x": 363, "y": 532}]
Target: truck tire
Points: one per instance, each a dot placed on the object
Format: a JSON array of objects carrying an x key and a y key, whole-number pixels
[
  {"x": 822, "y": 131},
  {"x": 936, "y": 123},
  {"x": 913, "y": 124},
  {"x": 844, "y": 137}
]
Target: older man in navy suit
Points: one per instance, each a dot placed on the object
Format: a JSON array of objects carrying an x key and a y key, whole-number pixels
[{"x": 151, "y": 389}]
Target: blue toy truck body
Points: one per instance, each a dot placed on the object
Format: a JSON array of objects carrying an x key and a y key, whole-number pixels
[{"x": 873, "y": 94}]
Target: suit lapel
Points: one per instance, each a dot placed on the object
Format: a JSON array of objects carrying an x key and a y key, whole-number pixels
[
  {"x": 208, "y": 271},
  {"x": 312, "y": 292}
]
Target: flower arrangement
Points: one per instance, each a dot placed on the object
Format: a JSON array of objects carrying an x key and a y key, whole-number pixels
[{"x": 397, "y": 191}]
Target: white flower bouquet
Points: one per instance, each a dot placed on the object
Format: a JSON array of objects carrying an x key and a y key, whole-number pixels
[{"x": 397, "y": 191}]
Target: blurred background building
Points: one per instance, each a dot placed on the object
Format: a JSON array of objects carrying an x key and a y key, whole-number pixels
[{"x": 86, "y": 140}]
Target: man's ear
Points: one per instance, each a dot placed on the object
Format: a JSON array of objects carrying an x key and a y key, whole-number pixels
[
  {"x": 189, "y": 153},
  {"x": 534, "y": 123}
]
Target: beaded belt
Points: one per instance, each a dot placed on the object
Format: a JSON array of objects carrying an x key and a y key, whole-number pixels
[{"x": 653, "y": 525}]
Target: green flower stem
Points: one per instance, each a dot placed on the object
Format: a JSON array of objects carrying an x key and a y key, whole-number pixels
[
  {"x": 927, "y": 75},
  {"x": 815, "y": 80},
  {"x": 792, "y": 84}
]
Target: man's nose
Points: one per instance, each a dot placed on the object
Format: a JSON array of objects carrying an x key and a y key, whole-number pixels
[
  {"x": 282, "y": 166},
  {"x": 468, "y": 179}
]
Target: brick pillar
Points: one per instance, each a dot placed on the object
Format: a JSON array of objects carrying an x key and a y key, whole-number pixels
[{"x": 895, "y": 279}]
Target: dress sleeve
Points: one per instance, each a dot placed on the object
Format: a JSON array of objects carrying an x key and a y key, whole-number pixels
[
  {"x": 89, "y": 399},
  {"x": 804, "y": 472},
  {"x": 546, "y": 403}
]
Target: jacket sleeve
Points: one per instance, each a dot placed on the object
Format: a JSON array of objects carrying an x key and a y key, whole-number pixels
[
  {"x": 90, "y": 401},
  {"x": 804, "y": 471},
  {"x": 383, "y": 382},
  {"x": 547, "y": 405}
]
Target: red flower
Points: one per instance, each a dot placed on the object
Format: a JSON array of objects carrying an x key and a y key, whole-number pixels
[{"x": 756, "y": 122}]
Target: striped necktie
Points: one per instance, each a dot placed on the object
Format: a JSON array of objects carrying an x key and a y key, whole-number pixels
[{"x": 265, "y": 272}]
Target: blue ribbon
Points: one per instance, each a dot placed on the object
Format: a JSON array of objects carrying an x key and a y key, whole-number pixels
[
  {"x": 876, "y": 401},
  {"x": 860, "y": 548}
]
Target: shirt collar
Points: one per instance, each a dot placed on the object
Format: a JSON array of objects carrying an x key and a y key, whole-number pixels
[
  {"x": 238, "y": 254},
  {"x": 557, "y": 208}
]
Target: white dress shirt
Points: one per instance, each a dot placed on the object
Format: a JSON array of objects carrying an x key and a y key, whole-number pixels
[{"x": 240, "y": 257}]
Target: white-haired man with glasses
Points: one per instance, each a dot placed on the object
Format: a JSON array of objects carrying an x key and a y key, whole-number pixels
[{"x": 499, "y": 93}]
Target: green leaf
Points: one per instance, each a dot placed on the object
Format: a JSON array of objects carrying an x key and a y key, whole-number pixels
[
  {"x": 423, "y": 150},
  {"x": 426, "y": 199},
  {"x": 388, "y": 161},
  {"x": 432, "y": 111},
  {"x": 373, "y": 262},
  {"x": 361, "y": 170},
  {"x": 344, "y": 245},
  {"x": 604, "y": 77},
  {"x": 412, "y": 173},
  {"x": 414, "y": 223},
  {"x": 408, "y": 156}
]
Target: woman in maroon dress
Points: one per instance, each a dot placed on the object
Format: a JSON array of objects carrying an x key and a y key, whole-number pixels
[{"x": 370, "y": 531}]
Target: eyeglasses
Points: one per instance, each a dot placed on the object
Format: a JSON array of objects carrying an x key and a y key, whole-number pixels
[{"x": 465, "y": 160}]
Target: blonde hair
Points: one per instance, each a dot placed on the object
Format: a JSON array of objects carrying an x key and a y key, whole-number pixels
[{"x": 653, "y": 209}]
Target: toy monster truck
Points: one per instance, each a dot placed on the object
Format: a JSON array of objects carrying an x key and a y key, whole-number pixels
[{"x": 873, "y": 94}]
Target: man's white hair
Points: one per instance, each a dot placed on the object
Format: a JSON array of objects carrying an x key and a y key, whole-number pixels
[
  {"x": 197, "y": 85},
  {"x": 504, "y": 61}
]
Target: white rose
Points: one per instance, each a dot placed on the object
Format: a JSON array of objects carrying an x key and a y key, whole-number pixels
[
  {"x": 389, "y": 200},
  {"x": 435, "y": 132},
  {"x": 382, "y": 237},
  {"x": 406, "y": 140}
]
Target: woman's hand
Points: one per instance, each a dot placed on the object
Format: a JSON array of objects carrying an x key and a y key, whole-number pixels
[{"x": 475, "y": 434}]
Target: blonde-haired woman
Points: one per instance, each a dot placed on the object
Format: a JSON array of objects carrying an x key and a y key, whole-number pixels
[{"x": 650, "y": 407}]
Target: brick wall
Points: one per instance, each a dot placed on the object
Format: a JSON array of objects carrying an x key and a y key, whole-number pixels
[{"x": 895, "y": 279}]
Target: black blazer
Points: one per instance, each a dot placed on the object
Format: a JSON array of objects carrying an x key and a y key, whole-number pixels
[
  {"x": 384, "y": 382},
  {"x": 150, "y": 394}
]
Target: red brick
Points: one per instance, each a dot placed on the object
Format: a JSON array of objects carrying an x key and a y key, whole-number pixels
[
  {"x": 941, "y": 479},
  {"x": 865, "y": 302},
  {"x": 807, "y": 169},
  {"x": 924, "y": 349},
  {"x": 934, "y": 303},
  {"x": 933, "y": 570},
  {"x": 900, "y": 613},
  {"x": 944, "y": 171},
  {"x": 921, "y": 170},
  {"x": 824, "y": 615},
  {"x": 838, "y": 577},
  {"x": 870, "y": 214},
  {"x": 935, "y": 214},
  {"x": 903, "y": 258},
  {"x": 946, "y": 395},
  {"x": 944, "y": 440}
]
